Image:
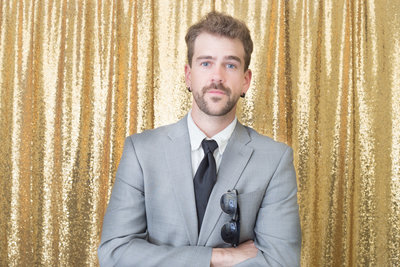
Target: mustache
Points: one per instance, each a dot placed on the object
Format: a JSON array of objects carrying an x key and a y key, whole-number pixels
[{"x": 218, "y": 86}]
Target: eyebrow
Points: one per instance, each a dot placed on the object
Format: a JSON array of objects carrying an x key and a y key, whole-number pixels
[
  {"x": 203, "y": 57},
  {"x": 235, "y": 58}
]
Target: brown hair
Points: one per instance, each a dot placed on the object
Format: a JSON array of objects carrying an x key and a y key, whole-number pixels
[{"x": 223, "y": 25}]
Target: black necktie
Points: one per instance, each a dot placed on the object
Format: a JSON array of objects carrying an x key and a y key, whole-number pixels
[{"x": 205, "y": 178}]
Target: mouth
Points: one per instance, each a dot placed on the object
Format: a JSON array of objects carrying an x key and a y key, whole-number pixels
[
  {"x": 216, "y": 92},
  {"x": 217, "y": 89}
]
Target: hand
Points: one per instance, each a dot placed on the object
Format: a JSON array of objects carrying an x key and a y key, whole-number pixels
[{"x": 231, "y": 256}]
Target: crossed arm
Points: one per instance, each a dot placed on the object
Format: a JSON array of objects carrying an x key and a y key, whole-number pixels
[{"x": 232, "y": 256}]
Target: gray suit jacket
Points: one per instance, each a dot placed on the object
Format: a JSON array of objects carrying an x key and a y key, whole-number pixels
[{"x": 151, "y": 217}]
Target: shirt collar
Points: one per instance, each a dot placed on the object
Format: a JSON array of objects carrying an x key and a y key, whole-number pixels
[{"x": 197, "y": 136}]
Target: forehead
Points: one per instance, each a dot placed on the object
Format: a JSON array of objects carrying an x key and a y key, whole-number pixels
[{"x": 207, "y": 44}]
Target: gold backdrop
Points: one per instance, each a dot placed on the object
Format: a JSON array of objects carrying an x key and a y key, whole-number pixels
[{"x": 78, "y": 76}]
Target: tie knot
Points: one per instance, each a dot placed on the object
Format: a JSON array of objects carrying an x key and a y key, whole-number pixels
[{"x": 209, "y": 145}]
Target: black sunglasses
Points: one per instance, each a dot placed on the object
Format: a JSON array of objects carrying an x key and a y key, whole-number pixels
[{"x": 230, "y": 231}]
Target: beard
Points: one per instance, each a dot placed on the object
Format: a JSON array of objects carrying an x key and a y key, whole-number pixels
[{"x": 205, "y": 106}]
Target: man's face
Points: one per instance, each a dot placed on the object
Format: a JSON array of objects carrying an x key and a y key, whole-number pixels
[{"x": 217, "y": 77}]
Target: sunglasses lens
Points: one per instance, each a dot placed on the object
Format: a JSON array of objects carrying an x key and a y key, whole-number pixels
[
  {"x": 229, "y": 203},
  {"x": 230, "y": 232}
]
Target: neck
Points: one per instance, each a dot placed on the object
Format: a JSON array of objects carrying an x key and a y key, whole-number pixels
[{"x": 211, "y": 125}]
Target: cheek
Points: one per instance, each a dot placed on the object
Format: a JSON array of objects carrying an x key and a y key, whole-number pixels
[
  {"x": 236, "y": 80},
  {"x": 199, "y": 80}
]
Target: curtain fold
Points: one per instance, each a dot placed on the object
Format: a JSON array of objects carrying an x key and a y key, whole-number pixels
[{"x": 77, "y": 77}]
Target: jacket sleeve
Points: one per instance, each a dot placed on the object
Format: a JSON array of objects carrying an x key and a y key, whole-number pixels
[
  {"x": 124, "y": 234},
  {"x": 277, "y": 229}
]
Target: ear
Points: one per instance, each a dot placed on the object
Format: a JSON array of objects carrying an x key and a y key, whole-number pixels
[
  {"x": 188, "y": 76},
  {"x": 246, "y": 80}
]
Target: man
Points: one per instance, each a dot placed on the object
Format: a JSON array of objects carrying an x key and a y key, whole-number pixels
[{"x": 158, "y": 214}]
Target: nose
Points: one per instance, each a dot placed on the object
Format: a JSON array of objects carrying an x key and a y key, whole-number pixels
[{"x": 218, "y": 75}]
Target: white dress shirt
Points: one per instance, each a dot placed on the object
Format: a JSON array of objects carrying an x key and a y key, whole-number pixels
[{"x": 197, "y": 136}]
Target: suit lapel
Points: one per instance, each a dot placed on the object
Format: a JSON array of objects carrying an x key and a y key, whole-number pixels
[
  {"x": 234, "y": 160},
  {"x": 178, "y": 157}
]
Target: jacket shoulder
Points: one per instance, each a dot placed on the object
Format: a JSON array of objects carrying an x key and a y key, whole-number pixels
[
  {"x": 153, "y": 137},
  {"x": 263, "y": 142}
]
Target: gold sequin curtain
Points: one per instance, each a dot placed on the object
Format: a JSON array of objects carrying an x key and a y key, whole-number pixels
[{"x": 78, "y": 76}]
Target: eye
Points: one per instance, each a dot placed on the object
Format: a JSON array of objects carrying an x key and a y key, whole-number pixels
[
  {"x": 231, "y": 66},
  {"x": 205, "y": 64}
]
